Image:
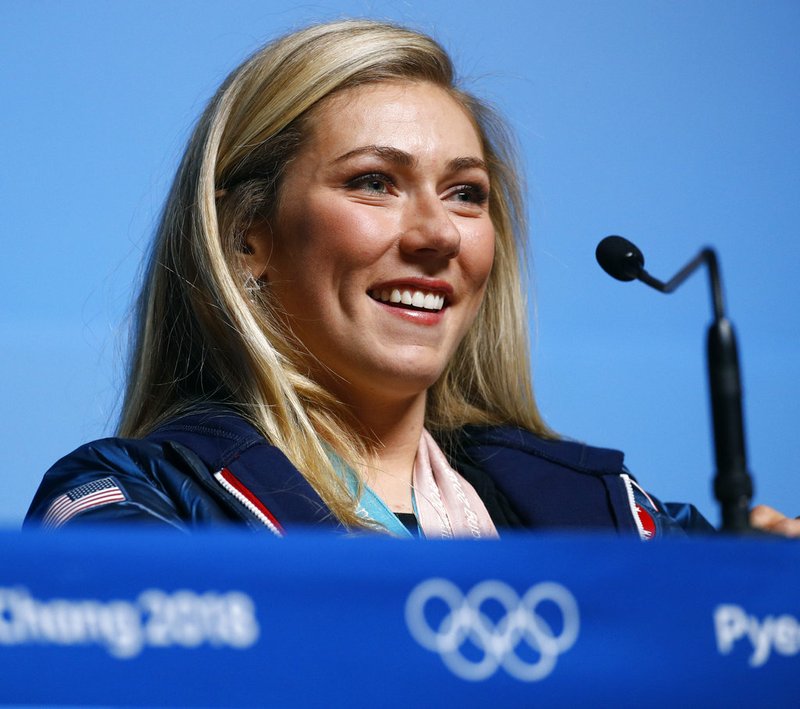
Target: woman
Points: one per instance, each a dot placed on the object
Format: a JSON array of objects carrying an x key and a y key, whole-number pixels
[{"x": 332, "y": 327}]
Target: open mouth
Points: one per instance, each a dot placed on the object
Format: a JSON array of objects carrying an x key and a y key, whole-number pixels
[{"x": 410, "y": 299}]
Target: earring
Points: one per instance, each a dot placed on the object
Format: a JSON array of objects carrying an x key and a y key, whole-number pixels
[{"x": 252, "y": 286}]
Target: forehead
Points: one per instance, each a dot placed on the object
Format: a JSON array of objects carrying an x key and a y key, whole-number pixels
[{"x": 417, "y": 117}]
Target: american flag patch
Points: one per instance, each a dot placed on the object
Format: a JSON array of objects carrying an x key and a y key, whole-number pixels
[{"x": 93, "y": 494}]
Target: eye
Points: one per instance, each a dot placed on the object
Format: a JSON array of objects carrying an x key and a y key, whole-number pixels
[
  {"x": 469, "y": 194},
  {"x": 374, "y": 182}
]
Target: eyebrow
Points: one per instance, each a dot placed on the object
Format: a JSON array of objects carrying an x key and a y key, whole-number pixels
[
  {"x": 466, "y": 163},
  {"x": 404, "y": 159}
]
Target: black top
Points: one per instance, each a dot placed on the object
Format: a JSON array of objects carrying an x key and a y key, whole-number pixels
[{"x": 409, "y": 522}]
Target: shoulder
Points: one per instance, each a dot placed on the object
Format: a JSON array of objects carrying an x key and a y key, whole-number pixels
[
  {"x": 165, "y": 478},
  {"x": 557, "y": 483},
  {"x": 118, "y": 476},
  {"x": 498, "y": 446},
  {"x": 549, "y": 483},
  {"x": 227, "y": 443},
  {"x": 203, "y": 468},
  {"x": 216, "y": 435}
]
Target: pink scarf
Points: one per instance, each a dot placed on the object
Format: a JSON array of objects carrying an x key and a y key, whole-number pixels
[{"x": 447, "y": 505}]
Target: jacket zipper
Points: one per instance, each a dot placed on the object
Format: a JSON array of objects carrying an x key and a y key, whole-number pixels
[
  {"x": 629, "y": 483},
  {"x": 257, "y": 513}
]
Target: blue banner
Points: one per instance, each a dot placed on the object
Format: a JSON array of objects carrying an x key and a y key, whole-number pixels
[{"x": 109, "y": 617}]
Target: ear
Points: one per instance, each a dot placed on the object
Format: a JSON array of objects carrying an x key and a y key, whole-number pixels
[{"x": 257, "y": 248}]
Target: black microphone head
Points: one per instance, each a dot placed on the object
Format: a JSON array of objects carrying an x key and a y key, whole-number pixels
[{"x": 619, "y": 258}]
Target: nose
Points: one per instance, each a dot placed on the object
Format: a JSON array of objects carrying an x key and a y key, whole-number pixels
[{"x": 429, "y": 229}]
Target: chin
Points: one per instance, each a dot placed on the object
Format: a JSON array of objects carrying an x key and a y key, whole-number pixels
[{"x": 405, "y": 382}]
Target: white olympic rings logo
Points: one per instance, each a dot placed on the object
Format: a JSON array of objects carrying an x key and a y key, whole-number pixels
[{"x": 497, "y": 643}]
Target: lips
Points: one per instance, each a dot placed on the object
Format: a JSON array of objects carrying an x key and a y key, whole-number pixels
[{"x": 411, "y": 298}]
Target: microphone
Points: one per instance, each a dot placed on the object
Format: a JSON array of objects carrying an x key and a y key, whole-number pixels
[
  {"x": 619, "y": 258},
  {"x": 733, "y": 486}
]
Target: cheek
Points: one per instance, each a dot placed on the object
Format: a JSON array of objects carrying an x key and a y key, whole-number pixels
[
  {"x": 478, "y": 256},
  {"x": 326, "y": 243}
]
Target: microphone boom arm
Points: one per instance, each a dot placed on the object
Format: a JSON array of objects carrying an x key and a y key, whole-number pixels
[
  {"x": 733, "y": 485},
  {"x": 707, "y": 256}
]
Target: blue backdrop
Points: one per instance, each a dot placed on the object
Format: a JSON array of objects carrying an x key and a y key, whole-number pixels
[{"x": 674, "y": 124}]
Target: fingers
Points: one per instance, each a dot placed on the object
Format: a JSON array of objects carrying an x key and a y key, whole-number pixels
[
  {"x": 763, "y": 517},
  {"x": 770, "y": 520}
]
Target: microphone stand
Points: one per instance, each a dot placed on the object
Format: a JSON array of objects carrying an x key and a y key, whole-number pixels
[{"x": 733, "y": 486}]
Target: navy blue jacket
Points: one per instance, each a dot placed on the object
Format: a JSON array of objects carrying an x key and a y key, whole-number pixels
[{"x": 215, "y": 468}]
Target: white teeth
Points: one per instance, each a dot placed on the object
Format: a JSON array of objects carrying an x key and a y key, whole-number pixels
[{"x": 416, "y": 299}]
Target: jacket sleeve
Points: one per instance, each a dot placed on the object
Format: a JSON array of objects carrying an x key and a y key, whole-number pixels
[
  {"x": 111, "y": 480},
  {"x": 688, "y": 518}
]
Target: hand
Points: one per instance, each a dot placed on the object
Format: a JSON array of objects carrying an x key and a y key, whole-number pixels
[{"x": 774, "y": 522}]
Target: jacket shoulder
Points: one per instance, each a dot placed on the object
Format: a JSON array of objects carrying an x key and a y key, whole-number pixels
[
  {"x": 126, "y": 481},
  {"x": 549, "y": 483},
  {"x": 217, "y": 436},
  {"x": 487, "y": 442},
  {"x": 566, "y": 484},
  {"x": 223, "y": 439},
  {"x": 111, "y": 478}
]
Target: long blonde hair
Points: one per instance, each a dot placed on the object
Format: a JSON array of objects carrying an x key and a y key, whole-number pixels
[{"x": 203, "y": 336}]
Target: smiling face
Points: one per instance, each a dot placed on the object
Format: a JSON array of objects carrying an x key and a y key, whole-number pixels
[{"x": 382, "y": 243}]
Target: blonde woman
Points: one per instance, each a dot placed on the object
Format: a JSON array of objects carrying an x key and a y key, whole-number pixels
[{"x": 331, "y": 331}]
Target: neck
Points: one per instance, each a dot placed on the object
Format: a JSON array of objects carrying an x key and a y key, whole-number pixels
[{"x": 393, "y": 428}]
